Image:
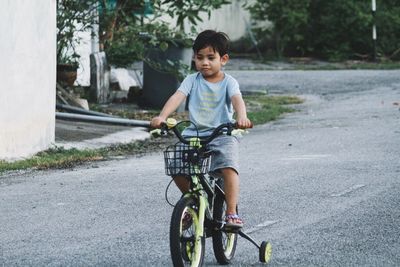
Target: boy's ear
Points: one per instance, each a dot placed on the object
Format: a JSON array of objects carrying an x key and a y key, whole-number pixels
[{"x": 224, "y": 59}]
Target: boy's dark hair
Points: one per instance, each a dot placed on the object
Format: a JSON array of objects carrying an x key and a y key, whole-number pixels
[{"x": 219, "y": 41}]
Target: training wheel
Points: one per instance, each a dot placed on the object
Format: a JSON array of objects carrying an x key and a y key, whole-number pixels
[{"x": 265, "y": 252}]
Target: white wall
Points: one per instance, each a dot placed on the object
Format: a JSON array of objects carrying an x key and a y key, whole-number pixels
[
  {"x": 231, "y": 19},
  {"x": 84, "y": 49},
  {"x": 89, "y": 43},
  {"x": 27, "y": 77}
]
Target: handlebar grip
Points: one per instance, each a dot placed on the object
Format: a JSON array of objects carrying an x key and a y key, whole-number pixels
[{"x": 236, "y": 126}]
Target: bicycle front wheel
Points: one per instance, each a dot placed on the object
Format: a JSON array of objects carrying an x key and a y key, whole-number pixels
[{"x": 187, "y": 247}]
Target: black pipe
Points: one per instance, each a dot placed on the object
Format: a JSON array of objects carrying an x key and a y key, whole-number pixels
[
  {"x": 88, "y": 118},
  {"x": 82, "y": 111}
]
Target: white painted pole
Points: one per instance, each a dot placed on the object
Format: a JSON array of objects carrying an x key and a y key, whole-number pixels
[
  {"x": 374, "y": 35},
  {"x": 95, "y": 31},
  {"x": 374, "y": 32}
]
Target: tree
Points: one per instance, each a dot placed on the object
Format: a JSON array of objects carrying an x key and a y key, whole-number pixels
[
  {"x": 72, "y": 16},
  {"x": 128, "y": 33},
  {"x": 333, "y": 30},
  {"x": 340, "y": 29},
  {"x": 290, "y": 20}
]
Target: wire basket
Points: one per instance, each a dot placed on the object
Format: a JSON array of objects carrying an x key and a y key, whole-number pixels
[{"x": 182, "y": 159}]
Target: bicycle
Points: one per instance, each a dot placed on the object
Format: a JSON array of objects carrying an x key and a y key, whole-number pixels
[{"x": 200, "y": 213}]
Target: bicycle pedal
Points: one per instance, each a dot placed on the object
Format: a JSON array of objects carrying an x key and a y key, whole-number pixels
[
  {"x": 229, "y": 229},
  {"x": 218, "y": 225}
]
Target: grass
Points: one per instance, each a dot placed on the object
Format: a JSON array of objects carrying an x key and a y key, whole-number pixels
[
  {"x": 52, "y": 158},
  {"x": 306, "y": 63},
  {"x": 265, "y": 108},
  {"x": 261, "y": 109},
  {"x": 350, "y": 66},
  {"x": 59, "y": 157}
]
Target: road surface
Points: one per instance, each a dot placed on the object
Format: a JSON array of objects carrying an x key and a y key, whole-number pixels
[{"x": 321, "y": 184}]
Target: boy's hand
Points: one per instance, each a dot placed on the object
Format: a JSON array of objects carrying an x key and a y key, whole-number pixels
[
  {"x": 156, "y": 122},
  {"x": 244, "y": 123}
]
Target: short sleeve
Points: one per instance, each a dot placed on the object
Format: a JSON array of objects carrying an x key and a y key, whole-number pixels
[
  {"x": 187, "y": 84},
  {"x": 233, "y": 87}
]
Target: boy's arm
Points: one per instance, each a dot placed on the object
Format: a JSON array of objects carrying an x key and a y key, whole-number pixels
[
  {"x": 241, "y": 114},
  {"x": 172, "y": 104}
]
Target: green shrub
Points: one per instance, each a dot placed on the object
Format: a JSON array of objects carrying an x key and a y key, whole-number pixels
[
  {"x": 290, "y": 19},
  {"x": 333, "y": 30}
]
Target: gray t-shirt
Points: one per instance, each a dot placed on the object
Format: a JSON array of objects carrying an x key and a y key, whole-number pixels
[{"x": 209, "y": 103}]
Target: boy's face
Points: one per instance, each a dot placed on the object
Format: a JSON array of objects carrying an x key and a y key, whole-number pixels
[{"x": 209, "y": 62}]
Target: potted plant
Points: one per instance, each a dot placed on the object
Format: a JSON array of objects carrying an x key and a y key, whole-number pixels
[
  {"x": 73, "y": 16},
  {"x": 169, "y": 60},
  {"x": 166, "y": 63},
  {"x": 165, "y": 51},
  {"x": 67, "y": 70}
]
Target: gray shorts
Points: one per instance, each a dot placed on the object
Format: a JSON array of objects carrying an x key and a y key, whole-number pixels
[{"x": 225, "y": 152}]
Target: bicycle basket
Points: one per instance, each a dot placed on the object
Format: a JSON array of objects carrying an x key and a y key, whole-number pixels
[{"x": 182, "y": 159}]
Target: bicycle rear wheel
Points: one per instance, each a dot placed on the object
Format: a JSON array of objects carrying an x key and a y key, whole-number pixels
[
  {"x": 224, "y": 243},
  {"x": 187, "y": 248}
]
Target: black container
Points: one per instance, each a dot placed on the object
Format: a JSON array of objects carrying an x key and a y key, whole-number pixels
[{"x": 159, "y": 85}]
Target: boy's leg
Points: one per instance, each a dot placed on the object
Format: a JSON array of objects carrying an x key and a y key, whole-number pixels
[
  {"x": 231, "y": 188},
  {"x": 182, "y": 183},
  {"x": 225, "y": 150}
]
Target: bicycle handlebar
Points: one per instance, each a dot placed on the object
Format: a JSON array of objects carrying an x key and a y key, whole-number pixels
[{"x": 217, "y": 131}]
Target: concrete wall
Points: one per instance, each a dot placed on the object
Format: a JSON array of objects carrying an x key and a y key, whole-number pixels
[
  {"x": 28, "y": 76},
  {"x": 84, "y": 49},
  {"x": 231, "y": 19}
]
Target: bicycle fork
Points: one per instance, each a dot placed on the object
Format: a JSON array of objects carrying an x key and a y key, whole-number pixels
[{"x": 201, "y": 215}]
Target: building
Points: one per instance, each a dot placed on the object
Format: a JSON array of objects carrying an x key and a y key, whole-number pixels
[{"x": 28, "y": 77}]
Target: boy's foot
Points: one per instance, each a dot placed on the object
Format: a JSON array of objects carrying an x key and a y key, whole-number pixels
[{"x": 233, "y": 221}]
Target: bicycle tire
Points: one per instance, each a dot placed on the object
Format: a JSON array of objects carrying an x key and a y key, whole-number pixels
[
  {"x": 224, "y": 243},
  {"x": 185, "y": 250}
]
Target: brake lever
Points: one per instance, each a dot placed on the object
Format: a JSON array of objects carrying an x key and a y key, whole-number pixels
[
  {"x": 156, "y": 132},
  {"x": 159, "y": 132}
]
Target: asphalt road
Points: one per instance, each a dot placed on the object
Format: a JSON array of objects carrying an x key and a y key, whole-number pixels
[{"x": 321, "y": 184}]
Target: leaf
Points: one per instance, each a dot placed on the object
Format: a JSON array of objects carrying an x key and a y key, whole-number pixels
[{"x": 163, "y": 46}]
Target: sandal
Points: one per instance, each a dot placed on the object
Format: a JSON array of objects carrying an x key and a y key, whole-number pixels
[{"x": 233, "y": 221}]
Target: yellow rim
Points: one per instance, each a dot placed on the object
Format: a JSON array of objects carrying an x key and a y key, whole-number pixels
[
  {"x": 268, "y": 253},
  {"x": 194, "y": 253},
  {"x": 230, "y": 242}
]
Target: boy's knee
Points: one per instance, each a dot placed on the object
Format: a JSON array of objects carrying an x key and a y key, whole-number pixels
[{"x": 226, "y": 172}]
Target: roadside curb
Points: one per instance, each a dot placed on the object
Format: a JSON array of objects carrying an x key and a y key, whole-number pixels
[{"x": 121, "y": 137}]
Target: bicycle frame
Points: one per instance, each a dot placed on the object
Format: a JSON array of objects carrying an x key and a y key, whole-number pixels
[{"x": 198, "y": 191}]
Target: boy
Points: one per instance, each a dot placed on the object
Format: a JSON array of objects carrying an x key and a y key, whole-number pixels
[{"x": 213, "y": 93}]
